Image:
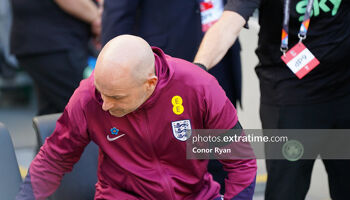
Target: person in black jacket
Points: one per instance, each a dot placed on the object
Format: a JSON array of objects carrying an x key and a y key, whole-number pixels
[
  {"x": 49, "y": 39},
  {"x": 303, "y": 97}
]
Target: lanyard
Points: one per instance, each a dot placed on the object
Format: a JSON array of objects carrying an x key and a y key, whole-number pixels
[{"x": 303, "y": 28}]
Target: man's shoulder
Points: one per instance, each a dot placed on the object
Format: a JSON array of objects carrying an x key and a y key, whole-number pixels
[
  {"x": 196, "y": 80},
  {"x": 189, "y": 73},
  {"x": 84, "y": 94}
]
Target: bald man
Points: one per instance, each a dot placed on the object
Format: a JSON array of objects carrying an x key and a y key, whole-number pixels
[{"x": 130, "y": 107}]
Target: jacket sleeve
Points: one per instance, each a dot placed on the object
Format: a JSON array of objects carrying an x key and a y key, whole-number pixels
[
  {"x": 240, "y": 181},
  {"x": 221, "y": 114},
  {"x": 245, "y": 8},
  {"x": 58, "y": 154},
  {"x": 118, "y": 18}
]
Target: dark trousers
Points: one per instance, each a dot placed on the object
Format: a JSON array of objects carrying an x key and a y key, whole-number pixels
[
  {"x": 56, "y": 75},
  {"x": 289, "y": 180}
]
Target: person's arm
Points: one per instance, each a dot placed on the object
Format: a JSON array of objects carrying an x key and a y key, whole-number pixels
[
  {"x": 219, "y": 38},
  {"x": 222, "y": 35},
  {"x": 118, "y": 18},
  {"x": 85, "y": 10},
  {"x": 58, "y": 154},
  {"x": 241, "y": 173},
  {"x": 221, "y": 114},
  {"x": 240, "y": 181},
  {"x": 242, "y": 168}
]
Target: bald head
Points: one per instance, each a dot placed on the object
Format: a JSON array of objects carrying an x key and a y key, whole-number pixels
[
  {"x": 125, "y": 58},
  {"x": 125, "y": 74}
]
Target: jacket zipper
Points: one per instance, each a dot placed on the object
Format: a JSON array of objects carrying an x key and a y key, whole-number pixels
[{"x": 163, "y": 177}]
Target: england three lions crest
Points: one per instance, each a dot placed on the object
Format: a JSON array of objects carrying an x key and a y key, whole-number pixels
[{"x": 181, "y": 129}]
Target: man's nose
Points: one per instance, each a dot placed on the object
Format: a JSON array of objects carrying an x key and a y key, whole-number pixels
[{"x": 107, "y": 105}]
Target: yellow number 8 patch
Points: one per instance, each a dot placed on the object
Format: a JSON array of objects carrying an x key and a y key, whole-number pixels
[{"x": 177, "y": 105}]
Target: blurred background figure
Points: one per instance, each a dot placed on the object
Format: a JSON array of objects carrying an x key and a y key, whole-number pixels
[
  {"x": 50, "y": 40},
  {"x": 8, "y": 62},
  {"x": 15, "y": 86},
  {"x": 177, "y": 27}
]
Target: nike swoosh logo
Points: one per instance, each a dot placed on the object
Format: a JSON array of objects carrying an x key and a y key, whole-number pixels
[{"x": 114, "y": 138}]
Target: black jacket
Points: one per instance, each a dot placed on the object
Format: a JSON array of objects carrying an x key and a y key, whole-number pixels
[{"x": 41, "y": 26}]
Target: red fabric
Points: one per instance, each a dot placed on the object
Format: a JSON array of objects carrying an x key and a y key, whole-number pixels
[{"x": 148, "y": 162}]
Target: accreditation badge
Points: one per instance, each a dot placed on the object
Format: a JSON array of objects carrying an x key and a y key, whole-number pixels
[
  {"x": 300, "y": 60},
  {"x": 211, "y": 11}
]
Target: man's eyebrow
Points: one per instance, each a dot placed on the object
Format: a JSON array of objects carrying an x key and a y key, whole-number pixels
[{"x": 114, "y": 96}]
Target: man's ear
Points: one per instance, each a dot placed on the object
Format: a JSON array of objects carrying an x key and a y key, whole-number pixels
[{"x": 152, "y": 82}]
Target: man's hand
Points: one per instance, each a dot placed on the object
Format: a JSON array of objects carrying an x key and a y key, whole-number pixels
[
  {"x": 96, "y": 32},
  {"x": 96, "y": 27},
  {"x": 97, "y": 21}
]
